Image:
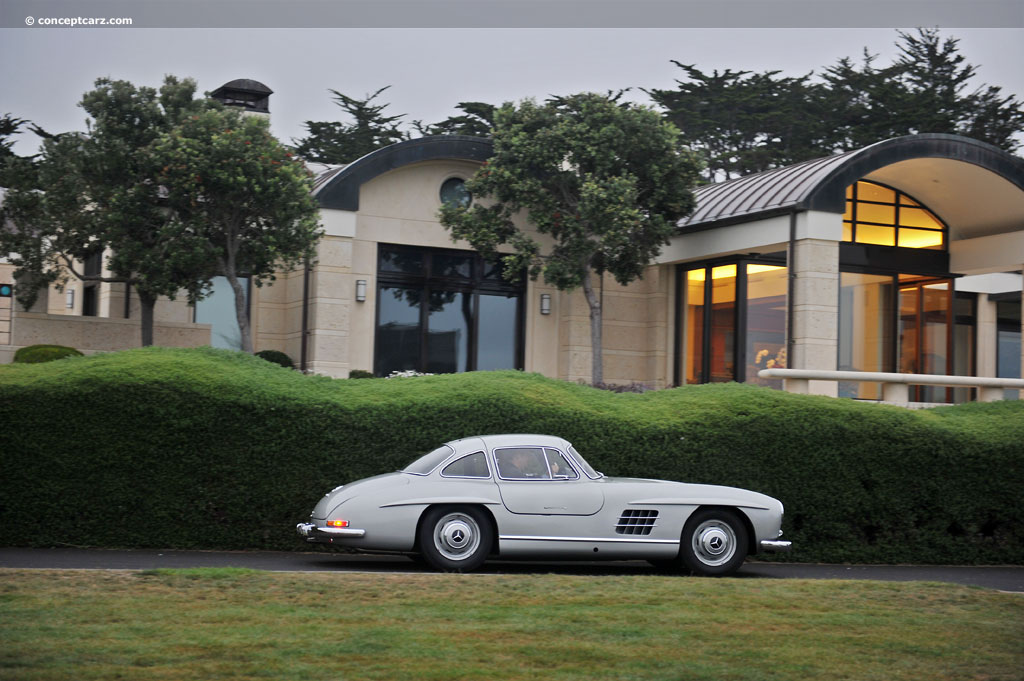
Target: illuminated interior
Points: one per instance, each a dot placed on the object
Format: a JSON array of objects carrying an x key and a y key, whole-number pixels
[
  {"x": 734, "y": 323},
  {"x": 880, "y": 215}
]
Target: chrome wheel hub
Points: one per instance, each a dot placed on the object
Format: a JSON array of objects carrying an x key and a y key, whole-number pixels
[
  {"x": 456, "y": 536},
  {"x": 714, "y": 542}
]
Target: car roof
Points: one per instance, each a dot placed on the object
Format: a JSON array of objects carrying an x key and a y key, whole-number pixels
[{"x": 515, "y": 440}]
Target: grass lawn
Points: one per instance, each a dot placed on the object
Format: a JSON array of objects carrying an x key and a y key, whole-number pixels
[{"x": 240, "y": 624}]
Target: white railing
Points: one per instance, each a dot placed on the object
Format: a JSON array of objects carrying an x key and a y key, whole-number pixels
[{"x": 895, "y": 387}]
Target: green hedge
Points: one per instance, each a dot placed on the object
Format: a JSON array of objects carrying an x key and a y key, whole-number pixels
[
  {"x": 214, "y": 449},
  {"x": 37, "y": 354}
]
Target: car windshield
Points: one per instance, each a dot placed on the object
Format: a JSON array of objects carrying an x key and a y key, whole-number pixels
[
  {"x": 587, "y": 468},
  {"x": 428, "y": 462}
]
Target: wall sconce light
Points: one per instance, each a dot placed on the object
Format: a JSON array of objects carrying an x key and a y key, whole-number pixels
[
  {"x": 545, "y": 303},
  {"x": 360, "y": 290},
  {"x": 71, "y": 299}
]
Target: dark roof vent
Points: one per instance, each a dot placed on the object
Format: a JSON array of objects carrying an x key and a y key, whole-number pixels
[{"x": 246, "y": 94}]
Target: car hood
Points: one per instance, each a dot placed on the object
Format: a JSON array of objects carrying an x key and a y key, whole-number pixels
[{"x": 336, "y": 496}]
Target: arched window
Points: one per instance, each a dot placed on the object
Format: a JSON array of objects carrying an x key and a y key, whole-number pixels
[{"x": 876, "y": 214}]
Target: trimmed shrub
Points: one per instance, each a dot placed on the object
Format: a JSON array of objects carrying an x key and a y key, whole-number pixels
[
  {"x": 360, "y": 373},
  {"x": 37, "y": 354},
  {"x": 277, "y": 357},
  {"x": 208, "y": 448}
]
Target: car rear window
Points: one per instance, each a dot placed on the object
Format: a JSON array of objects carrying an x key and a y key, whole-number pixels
[
  {"x": 428, "y": 462},
  {"x": 472, "y": 466}
]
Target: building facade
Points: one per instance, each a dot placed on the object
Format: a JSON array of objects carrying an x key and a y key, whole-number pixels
[{"x": 905, "y": 256}]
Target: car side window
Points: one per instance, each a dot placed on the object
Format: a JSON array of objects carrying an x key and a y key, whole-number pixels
[
  {"x": 522, "y": 463},
  {"x": 559, "y": 465},
  {"x": 472, "y": 466}
]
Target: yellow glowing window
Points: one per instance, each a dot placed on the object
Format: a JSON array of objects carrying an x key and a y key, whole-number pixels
[
  {"x": 883, "y": 216},
  {"x": 868, "y": 191},
  {"x": 875, "y": 234},
  {"x": 920, "y": 238},
  {"x": 918, "y": 217},
  {"x": 696, "y": 275},
  {"x": 871, "y": 212}
]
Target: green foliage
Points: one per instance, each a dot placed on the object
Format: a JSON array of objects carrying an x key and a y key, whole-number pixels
[
  {"x": 339, "y": 142},
  {"x": 100, "y": 194},
  {"x": 231, "y": 185},
  {"x": 743, "y": 122},
  {"x": 476, "y": 120},
  {"x": 360, "y": 373},
  {"x": 36, "y": 354},
  {"x": 209, "y": 448},
  {"x": 277, "y": 357},
  {"x": 606, "y": 181}
]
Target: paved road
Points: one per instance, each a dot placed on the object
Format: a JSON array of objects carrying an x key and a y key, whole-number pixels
[{"x": 1003, "y": 578}]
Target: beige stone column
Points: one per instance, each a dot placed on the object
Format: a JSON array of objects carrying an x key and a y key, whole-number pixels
[
  {"x": 985, "y": 337},
  {"x": 815, "y": 309}
]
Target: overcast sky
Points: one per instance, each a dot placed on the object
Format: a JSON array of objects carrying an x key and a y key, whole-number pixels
[{"x": 46, "y": 71}]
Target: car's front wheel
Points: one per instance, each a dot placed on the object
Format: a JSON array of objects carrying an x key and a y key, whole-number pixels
[
  {"x": 455, "y": 539},
  {"x": 714, "y": 542}
]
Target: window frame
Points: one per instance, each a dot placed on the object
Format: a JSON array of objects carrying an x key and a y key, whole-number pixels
[
  {"x": 427, "y": 282},
  {"x": 447, "y": 464}
]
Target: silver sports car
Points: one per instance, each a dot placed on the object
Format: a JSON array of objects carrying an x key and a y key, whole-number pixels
[{"x": 535, "y": 497}]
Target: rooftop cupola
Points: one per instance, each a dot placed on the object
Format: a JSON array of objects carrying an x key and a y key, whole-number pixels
[{"x": 249, "y": 95}]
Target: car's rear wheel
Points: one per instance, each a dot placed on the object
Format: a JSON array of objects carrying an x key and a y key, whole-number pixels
[
  {"x": 455, "y": 539},
  {"x": 714, "y": 542}
]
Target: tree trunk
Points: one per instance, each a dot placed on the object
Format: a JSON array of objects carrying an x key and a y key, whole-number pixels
[
  {"x": 241, "y": 311},
  {"x": 148, "y": 302},
  {"x": 596, "y": 371}
]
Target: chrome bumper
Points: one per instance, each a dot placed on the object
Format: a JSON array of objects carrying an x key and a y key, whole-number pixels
[
  {"x": 776, "y": 545},
  {"x": 310, "y": 531}
]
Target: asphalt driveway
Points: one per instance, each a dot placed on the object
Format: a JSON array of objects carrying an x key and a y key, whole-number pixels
[{"x": 1002, "y": 578}]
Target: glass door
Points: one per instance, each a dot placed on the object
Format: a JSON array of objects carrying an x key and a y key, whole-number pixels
[{"x": 925, "y": 327}]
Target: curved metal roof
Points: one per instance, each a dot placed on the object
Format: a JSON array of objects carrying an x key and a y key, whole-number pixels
[
  {"x": 339, "y": 188},
  {"x": 820, "y": 184}
]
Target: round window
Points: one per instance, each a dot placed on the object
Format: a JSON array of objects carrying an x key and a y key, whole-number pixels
[{"x": 454, "y": 191}]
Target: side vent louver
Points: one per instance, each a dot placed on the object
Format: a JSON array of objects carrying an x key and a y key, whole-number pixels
[{"x": 636, "y": 521}]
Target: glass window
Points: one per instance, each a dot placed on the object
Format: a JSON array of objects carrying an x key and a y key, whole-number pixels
[
  {"x": 694, "y": 324},
  {"x": 866, "y": 338},
  {"x": 965, "y": 322},
  {"x": 879, "y": 215},
  {"x": 450, "y": 317},
  {"x": 218, "y": 310},
  {"x": 472, "y": 466},
  {"x": 522, "y": 463},
  {"x": 871, "y": 212},
  {"x": 428, "y": 462},
  {"x": 496, "y": 344},
  {"x": 875, "y": 234},
  {"x": 733, "y": 337},
  {"x": 1008, "y": 340},
  {"x": 448, "y": 265},
  {"x": 587, "y": 468},
  {"x": 766, "y": 322},
  {"x": 454, "y": 191},
  {"x": 723, "y": 323},
  {"x": 401, "y": 260},
  {"x": 471, "y": 322},
  {"x": 398, "y": 330},
  {"x": 559, "y": 465}
]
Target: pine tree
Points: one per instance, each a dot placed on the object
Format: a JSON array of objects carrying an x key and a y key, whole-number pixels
[{"x": 342, "y": 142}]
